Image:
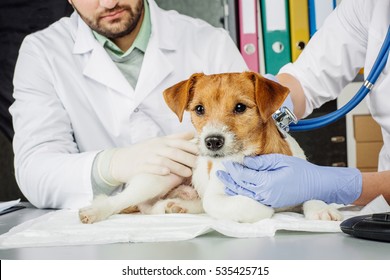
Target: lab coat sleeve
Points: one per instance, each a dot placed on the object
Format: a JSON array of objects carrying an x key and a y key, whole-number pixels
[
  {"x": 50, "y": 170},
  {"x": 334, "y": 55}
]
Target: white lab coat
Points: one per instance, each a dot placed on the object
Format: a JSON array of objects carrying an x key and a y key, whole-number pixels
[
  {"x": 71, "y": 101},
  {"x": 350, "y": 38}
]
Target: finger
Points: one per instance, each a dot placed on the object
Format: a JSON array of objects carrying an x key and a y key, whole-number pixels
[
  {"x": 237, "y": 171},
  {"x": 247, "y": 178},
  {"x": 171, "y": 180},
  {"x": 154, "y": 169},
  {"x": 184, "y": 145},
  {"x": 179, "y": 156},
  {"x": 188, "y": 135},
  {"x": 173, "y": 166},
  {"x": 231, "y": 185},
  {"x": 230, "y": 192},
  {"x": 174, "y": 180},
  {"x": 264, "y": 162},
  {"x": 227, "y": 181},
  {"x": 254, "y": 181}
]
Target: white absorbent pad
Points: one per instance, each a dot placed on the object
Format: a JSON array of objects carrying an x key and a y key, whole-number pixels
[{"x": 63, "y": 227}]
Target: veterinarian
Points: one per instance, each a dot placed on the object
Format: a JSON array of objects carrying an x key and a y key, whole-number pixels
[
  {"x": 89, "y": 111},
  {"x": 350, "y": 39}
]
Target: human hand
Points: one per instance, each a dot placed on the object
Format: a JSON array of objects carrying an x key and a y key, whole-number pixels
[
  {"x": 169, "y": 155},
  {"x": 280, "y": 181}
]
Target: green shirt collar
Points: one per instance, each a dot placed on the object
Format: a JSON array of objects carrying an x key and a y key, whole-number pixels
[{"x": 140, "y": 42}]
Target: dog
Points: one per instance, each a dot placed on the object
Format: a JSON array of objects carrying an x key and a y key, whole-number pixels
[{"x": 232, "y": 114}]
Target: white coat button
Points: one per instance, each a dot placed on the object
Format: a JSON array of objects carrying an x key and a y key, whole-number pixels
[{"x": 136, "y": 110}]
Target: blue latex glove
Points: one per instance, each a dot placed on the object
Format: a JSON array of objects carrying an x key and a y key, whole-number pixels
[
  {"x": 279, "y": 181},
  {"x": 288, "y": 101}
]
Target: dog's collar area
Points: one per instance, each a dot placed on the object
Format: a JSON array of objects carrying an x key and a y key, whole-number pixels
[{"x": 283, "y": 117}]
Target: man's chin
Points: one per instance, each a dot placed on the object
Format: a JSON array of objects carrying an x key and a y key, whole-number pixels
[
  {"x": 114, "y": 33},
  {"x": 115, "y": 28}
]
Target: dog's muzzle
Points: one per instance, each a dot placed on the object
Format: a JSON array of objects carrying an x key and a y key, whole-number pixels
[{"x": 214, "y": 142}]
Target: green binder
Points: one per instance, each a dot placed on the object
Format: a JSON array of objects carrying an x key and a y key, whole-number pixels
[{"x": 276, "y": 34}]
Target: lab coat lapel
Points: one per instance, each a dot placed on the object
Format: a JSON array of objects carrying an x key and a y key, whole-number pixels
[
  {"x": 156, "y": 65},
  {"x": 155, "y": 68},
  {"x": 99, "y": 66}
]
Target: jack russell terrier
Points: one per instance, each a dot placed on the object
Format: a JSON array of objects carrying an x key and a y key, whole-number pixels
[{"x": 232, "y": 114}]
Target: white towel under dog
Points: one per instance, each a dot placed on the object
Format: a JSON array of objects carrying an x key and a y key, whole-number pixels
[{"x": 63, "y": 227}]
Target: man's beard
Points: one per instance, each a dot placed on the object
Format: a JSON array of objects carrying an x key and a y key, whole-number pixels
[{"x": 116, "y": 28}]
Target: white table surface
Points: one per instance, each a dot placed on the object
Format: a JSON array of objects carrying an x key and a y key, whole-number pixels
[{"x": 285, "y": 245}]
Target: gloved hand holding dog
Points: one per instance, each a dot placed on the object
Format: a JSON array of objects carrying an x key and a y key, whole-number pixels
[
  {"x": 280, "y": 181},
  {"x": 173, "y": 155}
]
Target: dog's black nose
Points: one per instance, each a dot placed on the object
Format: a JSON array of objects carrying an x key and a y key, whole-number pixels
[{"x": 214, "y": 142}]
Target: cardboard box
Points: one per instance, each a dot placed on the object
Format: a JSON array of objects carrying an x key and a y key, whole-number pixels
[
  {"x": 367, "y": 154},
  {"x": 366, "y": 129}
]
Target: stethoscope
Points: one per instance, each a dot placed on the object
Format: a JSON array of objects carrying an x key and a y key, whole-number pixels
[{"x": 288, "y": 122}]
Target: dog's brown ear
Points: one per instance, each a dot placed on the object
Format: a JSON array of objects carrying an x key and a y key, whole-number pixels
[
  {"x": 179, "y": 95},
  {"x": 269, "y": 95}
]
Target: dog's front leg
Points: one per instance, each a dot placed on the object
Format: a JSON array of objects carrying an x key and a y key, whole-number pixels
[{"x": 237, "y": 208}]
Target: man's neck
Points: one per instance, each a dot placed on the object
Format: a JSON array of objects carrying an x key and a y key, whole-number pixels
[{"x": 125, "y": 42}]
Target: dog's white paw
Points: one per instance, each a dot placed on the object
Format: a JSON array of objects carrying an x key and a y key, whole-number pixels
[
  {"x": 89, "y": 215},
  {"x": 167, "y": 206},
  {"x": 99, "y": 210},
  {"x": 174, "y": 207},
  {"x": 319, "y": 210}
]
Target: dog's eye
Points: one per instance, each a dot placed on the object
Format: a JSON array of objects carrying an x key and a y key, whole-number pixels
[
  {"x": 240, "y": 108},
  {"x": 199, "y": 110}
]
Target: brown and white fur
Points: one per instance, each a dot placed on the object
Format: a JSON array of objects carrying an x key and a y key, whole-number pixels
[{"x": 232, "y": 115}]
